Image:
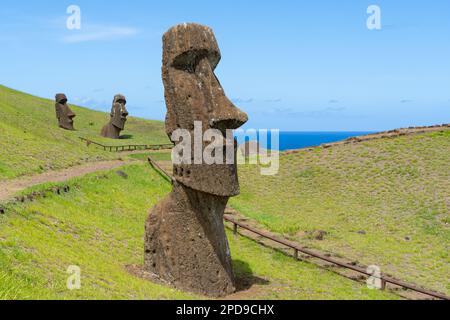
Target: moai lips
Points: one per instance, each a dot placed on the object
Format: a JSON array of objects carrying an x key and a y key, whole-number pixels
[
  {"x": 185, "y": 241},
  {"x": 64, "y": 114},
  {"x": 118, "y": 119}
]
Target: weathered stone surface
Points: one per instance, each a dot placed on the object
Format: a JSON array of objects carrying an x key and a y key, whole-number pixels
[
  {"x": 64, "y": 114},
  {"x": 118, "y": 119},
  {"x": 185, "y": 242}
]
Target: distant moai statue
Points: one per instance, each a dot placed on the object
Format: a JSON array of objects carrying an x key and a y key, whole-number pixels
[
  {"x": 63, "y": 113},
  {"x": 118, "y": 119},
  {"x": 185, "y": 240}
]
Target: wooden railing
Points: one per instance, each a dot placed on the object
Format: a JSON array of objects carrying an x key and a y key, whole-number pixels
[
  {"x": 130, "y": 147},
  {"x": 362, "y": 270}
]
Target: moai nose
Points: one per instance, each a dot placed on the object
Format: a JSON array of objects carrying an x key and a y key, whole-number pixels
[
  {"x": 228, "y": 117},
  {"x": 225, "y": 114}
]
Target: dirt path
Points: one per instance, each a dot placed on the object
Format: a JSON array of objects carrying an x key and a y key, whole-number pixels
[{"x": 9, "y": 187}]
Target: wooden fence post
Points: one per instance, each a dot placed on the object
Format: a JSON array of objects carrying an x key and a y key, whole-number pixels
[{"x": 383, "y": 284}]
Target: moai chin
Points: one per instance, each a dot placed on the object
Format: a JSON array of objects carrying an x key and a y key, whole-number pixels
[
  {"x": 185, "y": 241},
  {"x": 118, "y": 119},
  {"x": 63, "y": 113}
]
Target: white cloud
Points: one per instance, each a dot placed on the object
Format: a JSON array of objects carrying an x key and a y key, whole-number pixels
[
  {"x": 240, "y": 100},
  {"x": 315, "y": 114},
  {"x": 99, "y": 33},
  {"x": 276, "y": 100},
  {"x": 90, "y": 102}
]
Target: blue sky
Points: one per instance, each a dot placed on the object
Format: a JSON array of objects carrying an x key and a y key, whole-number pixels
[{"x": 291, "y": 65}]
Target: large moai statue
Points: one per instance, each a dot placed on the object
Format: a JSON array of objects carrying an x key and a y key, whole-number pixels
[
  {"x": 63, "y": 113},
  {"x": 118, "y": 119},
  {"x": 185, "y": 240}
]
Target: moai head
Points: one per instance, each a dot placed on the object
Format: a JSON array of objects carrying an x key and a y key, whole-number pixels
[
  {"x": 119, "y": 112},
  {"x": 63, "y": 113},
  {"x": 193, "y": 93}
]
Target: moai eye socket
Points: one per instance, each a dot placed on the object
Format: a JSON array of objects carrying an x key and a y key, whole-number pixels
[{"x": 188, "y": 61}]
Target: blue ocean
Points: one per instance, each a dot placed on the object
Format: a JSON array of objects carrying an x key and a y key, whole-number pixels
[{"x": 297, "y": 140}]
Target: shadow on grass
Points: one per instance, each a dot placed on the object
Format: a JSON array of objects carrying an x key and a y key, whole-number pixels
[
  {"x": 126, "y": 137},
  {"x": 245, "y": 279}
]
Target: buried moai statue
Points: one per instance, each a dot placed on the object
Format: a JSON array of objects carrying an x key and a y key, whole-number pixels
[
  {"x": 63, "y": 113},
  {"x": 118, "y": 119},
  {"x": 185, "y": 240}
]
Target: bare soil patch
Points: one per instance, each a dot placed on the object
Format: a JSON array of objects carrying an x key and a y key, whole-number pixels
[{"x": 11, "y": 187}]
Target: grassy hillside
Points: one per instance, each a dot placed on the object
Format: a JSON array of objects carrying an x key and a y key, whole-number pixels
[
  {"x": 384, "y": 202},
  {"x": 31, "y": 142},
  {"x": 99, "y": 226}
]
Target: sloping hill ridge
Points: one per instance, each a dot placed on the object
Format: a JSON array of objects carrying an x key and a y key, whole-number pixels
[
  {"x": 31, "y": 142},
  {"x": 382, "y": 201}
]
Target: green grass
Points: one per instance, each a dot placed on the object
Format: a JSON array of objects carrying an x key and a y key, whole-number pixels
[
  {"x": 31, "y": 141},
  {"x": 384, "y": 202},
  {"x": 99, "y": 226},
  {"x": 156, "y": 155}
]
